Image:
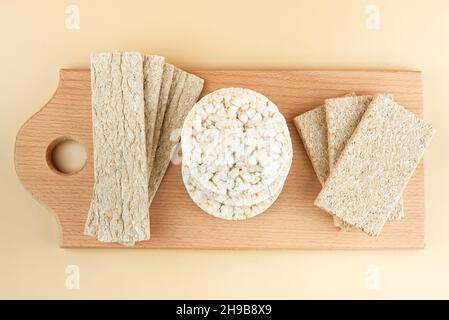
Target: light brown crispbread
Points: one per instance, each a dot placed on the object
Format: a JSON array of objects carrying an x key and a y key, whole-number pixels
[
  {"x": 119, "y": 206},
  {"x": 167, "y": 78},
  {"x": 312, "y": 129},
  {"x": 375, "y": 166},
  {"x": 184, "y": 92},
  {"x": 342, "y": 117},
  {"x": 153, "y": 67}
]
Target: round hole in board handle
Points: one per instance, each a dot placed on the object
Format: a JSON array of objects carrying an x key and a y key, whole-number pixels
[{"x": 66, "y": 156}]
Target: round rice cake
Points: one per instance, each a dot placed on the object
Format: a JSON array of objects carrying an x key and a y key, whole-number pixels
[
  {"x": 217, "y": 209},
  {"x": 236, "y": 142},
  {"x": 245, "y": 199}
]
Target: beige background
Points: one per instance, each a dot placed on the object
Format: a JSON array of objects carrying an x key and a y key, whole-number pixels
[{"x": 219, "y": 34}]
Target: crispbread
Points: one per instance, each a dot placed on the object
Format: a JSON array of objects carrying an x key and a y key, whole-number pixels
[
  {"x": 119, "y": 206},
  {"x": 177, "y": 84},
  {"x": 184, "y": 92},
  {"x": 375, "y": 166},
  {"x": 167, "y": 78},
  {"x": 210, "y": 205},
  {"x": 153, "y": 67},
  {"x": 312, "y": 129},
  {"x": 342, "y": 117}
]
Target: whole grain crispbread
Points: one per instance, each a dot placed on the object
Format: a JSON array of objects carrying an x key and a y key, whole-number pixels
[
  {"x": 342, "y": 117},
  {"x": 167, "y": 78},
  {"x": 184, "y": 92},
  {"x": 312, "y": 129},
  {"x": 119, "y": 207},
  {"x": 153, "y": 67},
  {"x": 369, "y": 177}
]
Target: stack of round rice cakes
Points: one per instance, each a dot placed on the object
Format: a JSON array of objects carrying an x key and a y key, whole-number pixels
[{"x": 237, "y": 153}]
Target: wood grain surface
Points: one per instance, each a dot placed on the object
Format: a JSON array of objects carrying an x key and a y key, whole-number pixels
[{"x": 176, "y": 222}]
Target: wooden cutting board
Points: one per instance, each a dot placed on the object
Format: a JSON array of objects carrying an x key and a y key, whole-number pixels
[{"x": 176, "y": 222}]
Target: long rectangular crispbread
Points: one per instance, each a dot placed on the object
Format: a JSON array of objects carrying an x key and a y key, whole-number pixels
[
  {"x": 153, "y": 67},
  {"x": 312, "y": 129},
  {"x": 167, "y": 78},
  {"x": 119, "y": 205},
  {"x": 184, "y": 92},
  {"x": 342, "y": 117},
  {"x": 375, "y": 166}
]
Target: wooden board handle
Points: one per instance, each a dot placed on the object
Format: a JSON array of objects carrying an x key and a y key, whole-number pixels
[{"x": 66, "y": 116}]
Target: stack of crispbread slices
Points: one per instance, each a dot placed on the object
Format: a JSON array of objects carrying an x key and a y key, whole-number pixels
[
  {"x": 364, "y": 150},
  {"x": 138, "y": 106}
]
